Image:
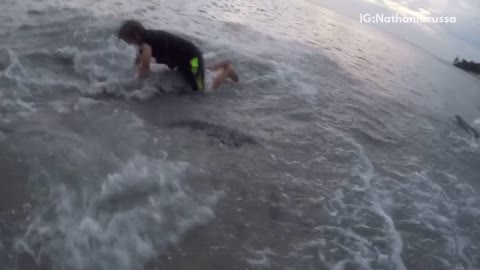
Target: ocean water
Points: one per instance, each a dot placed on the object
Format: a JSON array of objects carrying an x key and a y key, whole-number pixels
[{"x": 337, "y": 150}]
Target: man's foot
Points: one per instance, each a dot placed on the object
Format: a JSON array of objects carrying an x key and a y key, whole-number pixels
[
  {"x": 231, "y": 73},
  {"x": 219, "y": 65}
]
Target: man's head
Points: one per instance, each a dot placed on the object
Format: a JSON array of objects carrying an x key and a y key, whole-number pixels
[{"x": 131, "y": 32}]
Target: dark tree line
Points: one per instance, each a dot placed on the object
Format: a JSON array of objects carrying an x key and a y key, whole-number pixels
[{"x": 469, "y": 66}]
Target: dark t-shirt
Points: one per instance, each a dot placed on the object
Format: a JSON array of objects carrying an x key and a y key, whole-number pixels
[{"x": 170, "y": 49}]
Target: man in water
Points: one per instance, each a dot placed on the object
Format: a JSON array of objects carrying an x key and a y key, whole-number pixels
[{"x": 173, "y": 51}]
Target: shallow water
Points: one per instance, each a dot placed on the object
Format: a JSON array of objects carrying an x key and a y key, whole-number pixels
[{"x": 337, "y": 150}]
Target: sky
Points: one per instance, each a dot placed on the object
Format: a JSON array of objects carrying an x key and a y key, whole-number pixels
[{"x": 443, "y": 40}]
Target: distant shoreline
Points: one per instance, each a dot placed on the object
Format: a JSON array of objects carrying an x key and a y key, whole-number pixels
[{"x": 468, "y": 66}]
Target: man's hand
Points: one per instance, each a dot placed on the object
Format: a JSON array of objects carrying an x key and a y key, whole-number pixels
[{"x": 143, "y": 71}]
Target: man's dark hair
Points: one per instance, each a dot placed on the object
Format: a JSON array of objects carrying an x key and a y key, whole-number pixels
[{"x": 131, "y": 29}]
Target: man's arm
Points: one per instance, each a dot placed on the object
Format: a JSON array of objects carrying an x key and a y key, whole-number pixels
[{"x": 143, "y": 61}]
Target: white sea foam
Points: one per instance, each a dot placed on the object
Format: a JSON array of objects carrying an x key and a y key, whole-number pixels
[
  {"x": 362, "y": 199},
  {"x": 463, "y": 143},
  {"x": 83, "y": 103},
  {"x": 261, "y": 260},
  {"x": 131, "y": 217}
]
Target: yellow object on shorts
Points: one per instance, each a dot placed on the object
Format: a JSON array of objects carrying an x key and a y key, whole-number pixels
[{"x": 194, "y": 65}]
